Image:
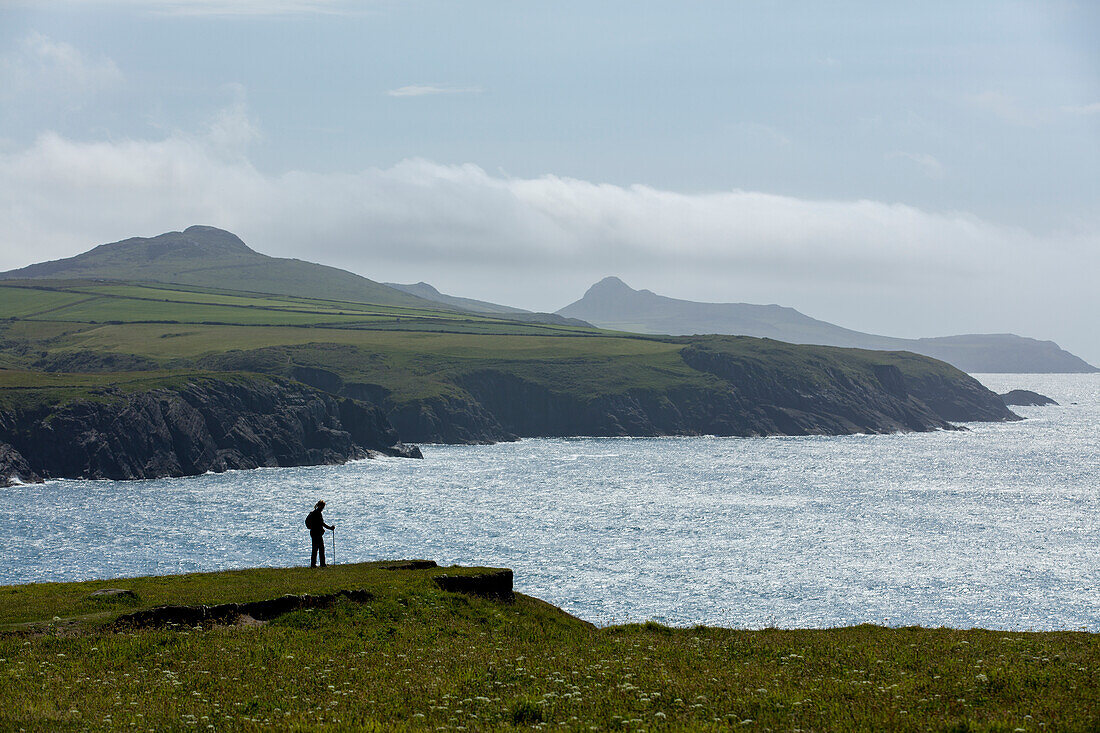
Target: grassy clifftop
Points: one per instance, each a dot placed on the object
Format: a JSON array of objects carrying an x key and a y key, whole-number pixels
[
  {"x": 24, "y": 389},
  {"x": 411, "y": 352},
  {"x": 443, "y": 376},
  {"x": 416, "y": 657}
]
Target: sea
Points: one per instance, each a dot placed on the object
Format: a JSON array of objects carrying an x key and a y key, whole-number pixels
[{"x": 995, "y": 526}]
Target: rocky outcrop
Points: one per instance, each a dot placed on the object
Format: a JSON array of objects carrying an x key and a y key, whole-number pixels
[
  {"x": 113, "y": 594},
  {"x": 229, "y": 613},
  {"x": 14, "y": 468},
  {"x": 410, "y": 565},
  {"x": 205, "y": 424},
  {"x": 495, "y": 584},
  {"x": 1026, "y": 398},
  {"x": 450, "y": 420}
]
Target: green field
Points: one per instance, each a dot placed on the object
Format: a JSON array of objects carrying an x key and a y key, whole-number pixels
[
  {"x": 413, "y": 353},
  {"x": 416, "y": 657},
  {"x": 81, "y": 302}
]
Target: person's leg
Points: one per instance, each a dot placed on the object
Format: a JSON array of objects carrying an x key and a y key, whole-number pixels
[
  {"x": 321, "y": 548},
  {"x": 313, "y": 556}
]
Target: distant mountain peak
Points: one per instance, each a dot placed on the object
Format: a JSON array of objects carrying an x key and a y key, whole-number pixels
[
  {"x": 610, "y": 284},
  {"x": 613, "y": 304},
  {"x": 216, "y": 238},
  {"x": 194, "y": 241}
]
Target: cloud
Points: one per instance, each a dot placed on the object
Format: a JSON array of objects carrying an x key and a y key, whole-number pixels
[
  {"x": 539, "y": 241},
  {"x": 421, "y": 90},
  {"x": 60, "y": 195},
  {"x": 41, "y": 69},
  {"x": 231, "y": 130},
  {"x": 928, "y": 164}
]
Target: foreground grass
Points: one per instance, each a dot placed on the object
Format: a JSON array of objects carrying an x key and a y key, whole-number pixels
[{"x": 416, "y": 657}]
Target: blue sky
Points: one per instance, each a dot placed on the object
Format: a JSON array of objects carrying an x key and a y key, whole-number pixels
[{"x": 937, "y": 161}]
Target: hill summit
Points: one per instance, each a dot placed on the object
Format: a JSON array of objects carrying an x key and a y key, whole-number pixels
[
  {"x": 206, "y": 256},
  {"x": 192, "y": 244},
  {"x": 611, "y": 303}
]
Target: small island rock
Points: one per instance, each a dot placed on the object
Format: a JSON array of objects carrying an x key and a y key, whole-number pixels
[{"x": 1026, "y": 398}]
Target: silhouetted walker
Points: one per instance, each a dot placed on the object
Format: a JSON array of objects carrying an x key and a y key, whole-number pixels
[{"x": 316, "y": 524}]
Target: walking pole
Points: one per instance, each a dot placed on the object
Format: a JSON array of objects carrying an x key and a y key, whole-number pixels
[{"x": 334, "y": 545}]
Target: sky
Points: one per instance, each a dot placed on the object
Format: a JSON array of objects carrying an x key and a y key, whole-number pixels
[{"x": 916, "y": 169}]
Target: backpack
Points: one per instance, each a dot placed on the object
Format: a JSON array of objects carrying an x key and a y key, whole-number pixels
[{"x": 311, "y": 520}]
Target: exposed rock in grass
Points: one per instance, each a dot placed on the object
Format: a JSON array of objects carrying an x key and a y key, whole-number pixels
[
  {"x": 491, "y": 584},
  {"x": 232, "y": 613},
  {"x": 113, "y": 593},
  {"x": 410, "y": 565}
]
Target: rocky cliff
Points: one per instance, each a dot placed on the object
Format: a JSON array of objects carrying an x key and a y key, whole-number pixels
[
  {"x": 305, "y": 414},
  {"x": 205, "y": 424},
  {"x": 745, "y": 398}
]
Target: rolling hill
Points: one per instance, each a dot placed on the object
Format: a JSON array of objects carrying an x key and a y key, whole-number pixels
[
  {"x": 426, "y": 291},
  {"x": 208, "y": 257},
  {"x": 613, "y": 304}
]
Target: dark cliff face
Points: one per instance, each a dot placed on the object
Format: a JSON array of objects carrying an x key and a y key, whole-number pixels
[
  {"x": 879, "y": 398},
  {"x": 206, "y": 425},
  {"x": 746, "y": 399}
]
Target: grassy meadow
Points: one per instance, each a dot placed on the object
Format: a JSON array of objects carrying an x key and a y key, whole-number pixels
[
  {"x": 416, "y": 657},
  {"x": 411, "y": 353}
]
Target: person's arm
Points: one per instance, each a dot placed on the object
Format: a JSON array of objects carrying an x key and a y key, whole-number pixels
[{"x": 329, "y": 526}]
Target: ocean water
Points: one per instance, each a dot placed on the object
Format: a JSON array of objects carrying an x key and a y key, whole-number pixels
[{"x": 996, "y": 527}]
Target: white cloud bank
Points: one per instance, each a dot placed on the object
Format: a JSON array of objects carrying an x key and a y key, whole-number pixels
[
  {"x": 538, "y": 242},
  {"x": 62, "y": 195}
]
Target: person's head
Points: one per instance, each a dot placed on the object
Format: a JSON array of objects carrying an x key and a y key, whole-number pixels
[{"x": 320, "y": 504}]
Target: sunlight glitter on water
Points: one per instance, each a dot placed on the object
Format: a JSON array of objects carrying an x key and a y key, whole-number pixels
[{"x": 994, "y": 527}]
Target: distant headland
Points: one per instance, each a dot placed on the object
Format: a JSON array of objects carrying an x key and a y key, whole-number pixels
[{"x": 189, "y": 352}]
